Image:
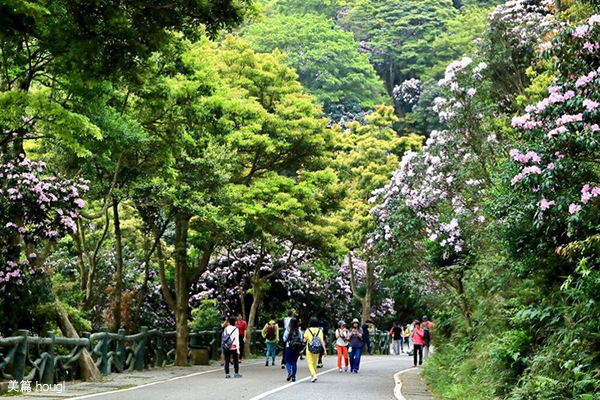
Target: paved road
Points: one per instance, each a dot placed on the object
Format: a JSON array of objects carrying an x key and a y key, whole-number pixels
[{"x": 375, "y": 381}]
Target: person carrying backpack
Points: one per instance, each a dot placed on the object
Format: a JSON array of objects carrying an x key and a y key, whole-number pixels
[
  {"x": 314, "y": 345},
  {"x": 341, "y": 343},
  {"x": 230, "y": 344},
  {"x": 356, "y": 345},
  {"x": 427, "y": 328},
  {"x": 271, "y": 335},
  {"x": 292, "y": 337},
  {"x": 286, "y": 324}
]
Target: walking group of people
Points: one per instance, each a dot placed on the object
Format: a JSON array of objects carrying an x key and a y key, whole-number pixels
[
  {"x": 349, "y": 342},
  {"x": 416, "y": 336}
]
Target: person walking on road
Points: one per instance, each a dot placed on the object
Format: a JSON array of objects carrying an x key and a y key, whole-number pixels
[
  {"x": 367, "y": 336},
  {"x": 417, "y": 338},
  {"x": 230, "y": 344},
  {"x": 323, "y": 327},
  {"x": 341, "y": 344},
  {"x": 286, "y": 324},
  {"x": 356, "y": 345},
  {"x": 314, "y": 345},
  {"x": 427, "y": 330},
  {"x": 271, "y": 335},
  {"x": 223, "y": 325},
  {"x": 242, "y": 327},
  {"x": 292, "y": 337},
  {"x": 397, "y": 335},
  {"x": 407, "y": 338}
]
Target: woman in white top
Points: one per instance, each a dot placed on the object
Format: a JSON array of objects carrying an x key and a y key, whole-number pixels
[
  {"x": 341, "y": 344},
  {"x": 230, "y": 343}
]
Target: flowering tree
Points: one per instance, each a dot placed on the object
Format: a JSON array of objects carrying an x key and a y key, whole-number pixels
[
  {"x": 512, "y": 34},
  {"x": 557, "y": 162},
  {"x": 432, "y": 210},
  {"x": 250, "y": 267},
  {"x": 37, "y": 210},
  {"x": 408, "y": 92}
]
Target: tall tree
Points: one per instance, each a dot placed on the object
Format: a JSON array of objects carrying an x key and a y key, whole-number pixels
[
  {"x": 398, "y": 34},
  {"x": 326, "y": 58},
  {"x": 214, "y": 102}
]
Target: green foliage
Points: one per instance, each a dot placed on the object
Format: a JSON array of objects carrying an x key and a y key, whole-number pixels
[
  {"x": 328, "y": 8},
  {"x": 205, "y": 317},
  {"x": 459, "y": 38},
  {"x": 399, "y": 34},
  {"x": 366, "y": 155},
  {"x": 325, "y": 57}
]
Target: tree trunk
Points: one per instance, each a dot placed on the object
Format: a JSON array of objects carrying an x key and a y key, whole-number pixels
[
  {"x": 119, "y": 271},
  {"x": 368, "y": 298},
  {"x": 243, "y": 304},
  {"x": 256, "y": 299},
  {"x": 141, "y": 294},
  {"x": 182, "y": 289},
  {"x": 89, "y": 371},
  {"x": 464, "y": 306},
  {"x": 354, "y": 288}
]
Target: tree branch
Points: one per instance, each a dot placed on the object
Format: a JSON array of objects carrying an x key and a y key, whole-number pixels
[
  {"x": 353, "y": 280},
  {"x": 163, "y": 279},
  {"x": 109, "y": 194},
  {"x": 202, "y": 264}
]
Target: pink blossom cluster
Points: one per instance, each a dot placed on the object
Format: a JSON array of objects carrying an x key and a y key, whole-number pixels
[
  {"x": 563, "y": 123},
  {"x": 525, "y": 158},
  {"x": 35, "y": 207}
]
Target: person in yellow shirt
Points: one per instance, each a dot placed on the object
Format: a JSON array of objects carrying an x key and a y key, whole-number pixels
[{"x": 313, "y": 337}]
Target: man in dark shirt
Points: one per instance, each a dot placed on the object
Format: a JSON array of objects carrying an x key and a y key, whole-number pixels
[
  {"x": 398, "y": 337},
  {"x": 366, "y": 328}
]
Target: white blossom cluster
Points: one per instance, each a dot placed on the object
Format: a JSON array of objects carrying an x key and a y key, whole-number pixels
[{"x": 408, "y": 92}]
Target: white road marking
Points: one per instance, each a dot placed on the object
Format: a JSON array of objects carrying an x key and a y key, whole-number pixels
[
  {"x": 152, "y": 383},
  {"x": 398, "y": 387},
  {"x": 280, "y": 388}
]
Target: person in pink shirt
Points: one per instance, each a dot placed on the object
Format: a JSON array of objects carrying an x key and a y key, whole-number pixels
[{"x": 418, "y": 342}]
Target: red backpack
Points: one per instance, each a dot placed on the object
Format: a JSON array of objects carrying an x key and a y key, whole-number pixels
[{"x": 270, "y": 332}]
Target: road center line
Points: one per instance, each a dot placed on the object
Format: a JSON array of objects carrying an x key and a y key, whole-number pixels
[{"x": 288, "y": 385}]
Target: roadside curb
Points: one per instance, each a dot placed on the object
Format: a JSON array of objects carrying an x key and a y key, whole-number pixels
[{"x": 398, "y": 388}]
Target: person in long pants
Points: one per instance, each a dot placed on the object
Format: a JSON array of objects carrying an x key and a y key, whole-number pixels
[
  {"x": 286, "y": 325},
  {"x": 417, "y": 337},
  {"x": 356, "y": 345},
  {"x": 341, "y": 345},
  {"x": 311, "y": 358},
  {"x": 271, "y": 335},
  {"x": 397, "y": 333},
  {"x": 242, "y": 326},
  {"x": 231, "y": 333},
  {"x": 407, "y": 332},
  {"x": 292, "y": 337}
]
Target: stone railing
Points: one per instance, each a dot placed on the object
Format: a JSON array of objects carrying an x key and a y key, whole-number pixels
[{"x": 51, "y": 359}]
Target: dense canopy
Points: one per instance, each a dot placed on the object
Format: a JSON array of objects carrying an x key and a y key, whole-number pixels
[{"x": 165, "y": 164}]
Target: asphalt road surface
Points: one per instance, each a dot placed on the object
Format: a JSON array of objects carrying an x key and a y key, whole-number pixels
[{"x": 374, "y": 381}]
